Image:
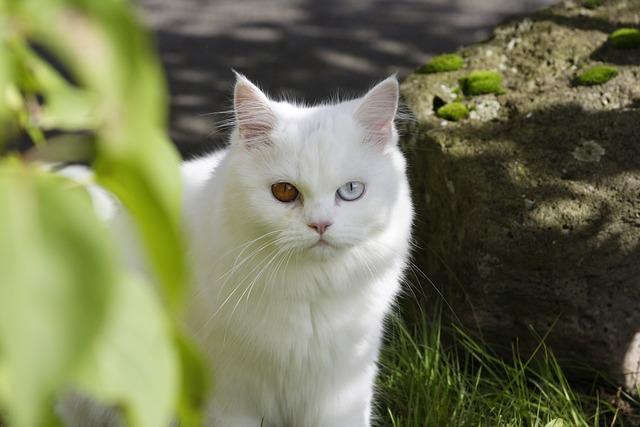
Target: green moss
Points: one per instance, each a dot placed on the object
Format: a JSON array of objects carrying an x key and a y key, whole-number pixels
[
  {"x": 454, "y": 111},
  {"x": 596, "y": 75},
  {"x": 625, "y": 38},
  {"x": 481, "y": 82},
  {"x": 442, "y": 63},
  {"x": 592, "y": 4}
]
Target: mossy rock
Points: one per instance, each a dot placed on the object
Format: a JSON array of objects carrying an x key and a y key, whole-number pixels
[
  {"x": 443, "y": 63},
  {"x": 596, "y": 75},
  {"x": 481, "y": 82},
  {"x": 531, "y": 219},
  {"x": 625, "y": 38},
  {"x": 592, "y": 4},
  {"x": 453, "y": 111}
]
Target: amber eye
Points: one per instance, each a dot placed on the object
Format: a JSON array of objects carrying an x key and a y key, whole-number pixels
[{"x": 284, "y": 192}]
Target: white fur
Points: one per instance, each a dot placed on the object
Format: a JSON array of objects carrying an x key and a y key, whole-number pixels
[{"x": 293, "y": 332}]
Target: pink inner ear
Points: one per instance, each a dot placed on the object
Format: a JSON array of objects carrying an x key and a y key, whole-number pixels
[
  {"x": 378, "y": 109},
  {"x": 254, "y": 116}
]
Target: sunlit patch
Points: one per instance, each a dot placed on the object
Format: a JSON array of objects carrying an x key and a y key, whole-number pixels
[{"x": 631, "y": 363}]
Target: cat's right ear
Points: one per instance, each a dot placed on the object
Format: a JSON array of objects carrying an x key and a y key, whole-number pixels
[
  {"x": 377, "y": 111},
  {"x": 254, "y": 117}
]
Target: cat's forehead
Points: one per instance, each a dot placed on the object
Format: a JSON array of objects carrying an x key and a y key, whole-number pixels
[
  {"x": 321, "y": 144},
  {"x": 321, "y": 127}
]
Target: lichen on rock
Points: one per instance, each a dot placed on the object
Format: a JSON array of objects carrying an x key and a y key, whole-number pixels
[
  {"x": 481, "y": 82},
  {"x": 625, "y": 38},
  {"x": 592, "y": 4},
  {"x": 596, "y": 75},
  {"x": 454, "y": 111},
  {"x": 443, "y": 63},
  {"x": 485, "y": 110},
  {"x": 448, "y": 94},
  {"x": 588, "y": 151}
]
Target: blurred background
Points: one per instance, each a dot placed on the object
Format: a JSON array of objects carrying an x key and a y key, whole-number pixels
[{"x": 303, "y": 49}]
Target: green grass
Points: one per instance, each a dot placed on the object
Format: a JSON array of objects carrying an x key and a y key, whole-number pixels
[{"x": 422, "y": 385}]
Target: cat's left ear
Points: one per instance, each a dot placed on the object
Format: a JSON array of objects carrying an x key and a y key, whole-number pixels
[{"x": 377, "y": 110}]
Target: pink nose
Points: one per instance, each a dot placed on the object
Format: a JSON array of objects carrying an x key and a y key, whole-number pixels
[{"x": 320, "y": 227}]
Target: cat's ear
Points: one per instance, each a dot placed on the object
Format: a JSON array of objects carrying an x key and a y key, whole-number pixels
[
  {"x": 254, "y": 117},
  {"x": 377, "y": 110}
]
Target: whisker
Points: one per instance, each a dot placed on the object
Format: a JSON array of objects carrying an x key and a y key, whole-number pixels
[
  {"x": 228, "y": 276},
  {"x": 235, "y": 267}
]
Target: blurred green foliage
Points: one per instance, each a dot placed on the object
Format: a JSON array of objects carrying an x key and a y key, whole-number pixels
[{"x": 71, "y": 316}]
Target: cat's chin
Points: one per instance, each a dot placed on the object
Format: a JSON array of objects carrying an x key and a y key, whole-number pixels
[{"x": 322, "y": 249}]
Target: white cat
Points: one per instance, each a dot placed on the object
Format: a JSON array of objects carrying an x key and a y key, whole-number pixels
[
  {"x": 299, "y": 233},
  {"x": 299, "y": 236}
]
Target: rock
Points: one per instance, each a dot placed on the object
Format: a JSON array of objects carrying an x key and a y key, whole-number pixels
[{"x": 529, "y": 210}]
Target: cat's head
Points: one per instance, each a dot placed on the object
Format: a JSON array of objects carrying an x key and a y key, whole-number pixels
[{"x": 319, "y": 179}]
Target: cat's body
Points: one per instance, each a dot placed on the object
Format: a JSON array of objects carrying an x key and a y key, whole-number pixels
[
  {"x": 290, "y": 296},
  {"x": 293, "y": 332}
]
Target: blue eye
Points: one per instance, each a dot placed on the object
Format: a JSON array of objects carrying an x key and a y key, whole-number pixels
[{"x": 351, "y": 191}]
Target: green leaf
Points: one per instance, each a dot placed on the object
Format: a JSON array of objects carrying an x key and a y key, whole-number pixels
[
  {"x": 5, "y": 83},
  {"x": 56, "y": 273},
  {"x": 134, "y": 362},
  {"x": 9, "y": 97},
  {"x": 149, "y": 188},
  {"x": 122, "y": 98},
  {"x": 111, "y": 57},
  {"x": 65, "y": 107},
  {"x": 195, "y": 383}
]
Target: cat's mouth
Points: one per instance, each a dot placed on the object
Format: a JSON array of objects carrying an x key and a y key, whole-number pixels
[{"x": 321, "y": 243}]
